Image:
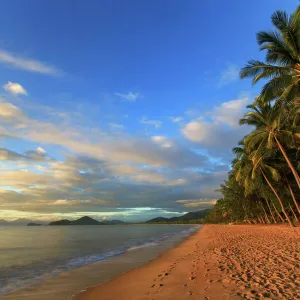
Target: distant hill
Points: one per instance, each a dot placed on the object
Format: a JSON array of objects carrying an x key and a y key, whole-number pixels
[
  {"x": 18, "y": 222},
  {"x": 34, "y": 224},
  {"x": 113, "y": 222},
  {"x": 157, "y": 220},
  {"x": 85, "y": 221},
  {"x": 3, "y": 222},
  {"x": 21, "y": 221},
  {"x": 190, "y": 216}
]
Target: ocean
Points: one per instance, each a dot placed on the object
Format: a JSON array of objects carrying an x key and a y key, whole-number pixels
[{"x": 30, "y": 255}]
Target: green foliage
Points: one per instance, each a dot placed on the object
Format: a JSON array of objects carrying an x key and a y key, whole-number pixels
[
  {"x": 282, "y": 67},
  {"x": 267, "y": 159}
]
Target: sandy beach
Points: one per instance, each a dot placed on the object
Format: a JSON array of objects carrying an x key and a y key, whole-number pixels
[{"x": 217, "y": 262}]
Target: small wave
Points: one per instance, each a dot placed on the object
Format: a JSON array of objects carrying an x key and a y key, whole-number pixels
[
  {"x": 33, "y": 276},
  {"x": 142, "y": 246}
]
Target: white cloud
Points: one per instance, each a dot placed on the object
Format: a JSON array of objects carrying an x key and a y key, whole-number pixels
[
  {"x": 155, "y": 123},
  {"x": 129, "y": 96},
  {"x": 14, "y": 88},
  {"x": 176, "y": 119},
  {"x": 229, "y": 75},
  {"x": 41, "y": 150},
  {"x": 197, "y": 131},
  {"x": 223, "y": 129},
  {"x": 69, "y": 202},
  {"x": 9, "y": 110},
  {"x": 162, "y": 140},
  {"x": 230, "y": 112},
  {"x": 197, "y": 202},
  {"x": 95, "y": 143},
  {"x": 28, "y": 64}
]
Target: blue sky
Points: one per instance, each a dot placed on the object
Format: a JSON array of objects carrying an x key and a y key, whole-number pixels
[{"x": 122, "y": 109}]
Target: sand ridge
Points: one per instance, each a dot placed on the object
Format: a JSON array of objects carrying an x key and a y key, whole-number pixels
[{"x": 217, "y": 262}]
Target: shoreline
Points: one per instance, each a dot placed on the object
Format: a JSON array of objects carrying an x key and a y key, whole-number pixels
[
  {"x": 68, "y": 284},
  {"x": 216, "y": 262}
]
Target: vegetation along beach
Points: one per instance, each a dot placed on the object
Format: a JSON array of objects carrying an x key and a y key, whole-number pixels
[{"x": 145, "y": 193}]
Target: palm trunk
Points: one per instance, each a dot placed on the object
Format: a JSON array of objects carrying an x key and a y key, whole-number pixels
[
  {"x": 266, "y": 216},
  {"x": 278, "y": 198},
  {"x": 288, "y": 161},
  {"x": 279, "y": 215},
  {"x": 296, "y": 219},
  {"x": 271, "y": 211},
  {"x": 293, "y": 196}
]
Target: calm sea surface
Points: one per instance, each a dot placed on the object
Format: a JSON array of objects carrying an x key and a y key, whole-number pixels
[{"x": 29, "y": 255}]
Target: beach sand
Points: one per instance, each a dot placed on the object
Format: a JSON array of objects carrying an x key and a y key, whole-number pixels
[{"x": 217, "y": 262}]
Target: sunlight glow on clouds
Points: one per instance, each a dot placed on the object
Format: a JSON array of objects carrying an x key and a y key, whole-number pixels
[
  {"x": 162, "y": 140},
  {"x": 14, "y": 88},
  {"x": 100, "y": 172},
  {"x": 197, "y": 203},
  {"x": 222, "y": 128},
  {"x": 230, "y": 112}
]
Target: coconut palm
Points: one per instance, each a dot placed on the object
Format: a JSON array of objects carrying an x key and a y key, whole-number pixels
[
  {"x": 268, "y": 171},
  {"x": 282, "y": 67},
  {"x": 271, "y": 132},
  {"x": 243, "y": 171},
  {"x": 268, "y": 159}
]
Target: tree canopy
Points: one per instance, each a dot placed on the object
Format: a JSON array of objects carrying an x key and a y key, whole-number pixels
[{"x": 263, "y": 185}]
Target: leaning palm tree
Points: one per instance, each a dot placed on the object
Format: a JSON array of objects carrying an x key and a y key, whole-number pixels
[
  {"x": 262, "y": 165},
  {"x": 282, "y": 67},
  {"x": 242, "y": 168},
  {"x": 272, "y": 132}
]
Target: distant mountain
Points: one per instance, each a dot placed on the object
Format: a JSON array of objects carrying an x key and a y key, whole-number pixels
[
  {"x": 20, "y": 221},
  {"x": 3, "y": 222},
  {"x": 34, "y": 224},
  {"x": 113, "y": 222},
  {"x": 190, "y": 216},
  {"x": 85, "y": 221},
  {"x": 157, "y": 220}
]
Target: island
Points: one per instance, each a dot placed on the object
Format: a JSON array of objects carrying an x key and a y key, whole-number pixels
[
  {"x": 85, "y": 221},
  {"x": 34, "y": 224}
]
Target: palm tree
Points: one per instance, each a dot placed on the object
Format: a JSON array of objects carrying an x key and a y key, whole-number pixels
[
  {"x": 270, "y": 131},
  {"x": 243, "y": 172},
  {"x": 282, "y": 67},
  {"x": 260, "y": 163}
]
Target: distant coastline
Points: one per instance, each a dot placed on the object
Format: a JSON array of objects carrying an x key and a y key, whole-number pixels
[{"x": 196, "y": 217}]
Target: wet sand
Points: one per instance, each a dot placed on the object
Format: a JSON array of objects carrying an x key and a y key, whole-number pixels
[{"x": 218, "y": 262}]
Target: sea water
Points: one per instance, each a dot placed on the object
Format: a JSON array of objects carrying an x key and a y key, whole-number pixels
[{"x": 29, "y": 255}]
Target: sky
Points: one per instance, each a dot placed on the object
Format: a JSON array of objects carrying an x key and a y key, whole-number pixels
[{"x": 122, "y": 109}]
